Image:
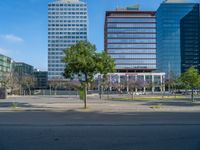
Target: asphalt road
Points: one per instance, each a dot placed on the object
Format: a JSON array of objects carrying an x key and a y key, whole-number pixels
[{"x": 99, "y": 131}]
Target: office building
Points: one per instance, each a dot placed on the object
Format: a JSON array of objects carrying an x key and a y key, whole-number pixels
[
  {"x": 178, "y": 37},
  {"x": 41, "y": 78},
  {"x": 23, "y": 69},
  {"x": 130, "y": 39},
  {"x": 5, "y": 64},
  {"x": 5, "y": 67},
  {"x": 67, "y": 24}
]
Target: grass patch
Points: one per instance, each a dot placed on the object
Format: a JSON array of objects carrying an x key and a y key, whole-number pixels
[
  {"x": 14, "y": 105},
  {"x": 156, "y": 107}
]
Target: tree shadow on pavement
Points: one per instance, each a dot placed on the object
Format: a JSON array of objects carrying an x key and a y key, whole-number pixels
[
  {"x": 177, "y": 103},
  {"x": 17, "y": 105}
]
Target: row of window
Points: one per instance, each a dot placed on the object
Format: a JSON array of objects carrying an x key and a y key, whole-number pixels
[
  {"x": 67, "y": 17},
  {"x": 67, "y": 33},
  {"x": 135, "y": 66},
  {"x": 67, "y": 9},
  {"x": 131, "y": 20},
  {"x": 123, "y": 25},
  {"x": 67, "y": 25},
  {"x": 5, "y": 69},
  {"x": 143, "y": 61},
  {"x": 67, "y": 13},
  {"x": 68, "y": 21},
  {"x": 66, "y": 5},
  {"x": 131, "y": 46},
  {"x": 55, "y": 57},
  {"x": 131, "y": 35},
  {"x": 56, "y": 69},
  {"x": 56, "y": 53},
  {"x": 67, "y": 29},
  {"x": 131, "y": 40},
  {"x": 62, "y": 20},
  {"x": 137, "y": 56},
  {"x": 131, "y": 30},
  {"x": 79, "y": 38},
  {"x": 132, "y": 51},
  {"x": 53, "y": 74},
  {"x": 60, "y": 45},
  {"x": 56, "y": 65},
  {"x": 63, "y": 41},
  {"x": 54, "y": 61}
]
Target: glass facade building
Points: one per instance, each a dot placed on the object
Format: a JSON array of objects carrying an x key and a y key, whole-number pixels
[
  {"x": 67, "y": 24},
  {"x": 23, "y": 69},
  {"x": 41, "y": 79},
  {"x": 178, "y": 37},
  {"x": 5, "y": 66},
  {"x": 130, "y": 39}
]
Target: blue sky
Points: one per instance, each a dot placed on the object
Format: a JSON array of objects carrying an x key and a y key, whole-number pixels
[{"x": 23, "y": 26}]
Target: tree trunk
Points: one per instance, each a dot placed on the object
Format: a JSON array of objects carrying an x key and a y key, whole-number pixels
[
  {"x": 132, "y": 95},
  {"x": 192, "y": 96},
  {"x": 175, "y": 93},
  {"x": 108, "y": 95},
  {"x": 100, "y": 92},
  {"x": 85, "y": 96},
  {"x": 55, "y": 91},
  {"x": 29, "y": 91}
]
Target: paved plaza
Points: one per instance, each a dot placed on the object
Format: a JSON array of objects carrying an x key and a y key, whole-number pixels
[{"x": 64, "y": 103}]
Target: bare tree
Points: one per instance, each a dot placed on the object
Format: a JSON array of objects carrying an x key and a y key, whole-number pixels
[
  {"x": 134, "y": 85},
  {"x": 10, "y": 81},
  {"x": 27, "y": 82},
  {"x": 55, "y": 84}
]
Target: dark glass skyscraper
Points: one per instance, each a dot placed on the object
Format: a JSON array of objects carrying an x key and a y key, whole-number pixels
[
  {"x": 178, "y": 35},
  {"x": 190, "y": 39},
  {"x": 130, "y": 39}
]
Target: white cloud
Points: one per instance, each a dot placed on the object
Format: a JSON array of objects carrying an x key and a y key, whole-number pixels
[{"x": 12, "y": 38}]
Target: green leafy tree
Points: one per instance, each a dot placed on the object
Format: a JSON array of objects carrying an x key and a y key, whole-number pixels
[
  {"x": 83, "y": 61},
  {"x": 105, "y": 64},
  {"x": 191, "y": 79}
]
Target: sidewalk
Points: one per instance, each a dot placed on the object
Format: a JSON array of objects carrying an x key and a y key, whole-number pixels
[{"x": 64, "y": 103}]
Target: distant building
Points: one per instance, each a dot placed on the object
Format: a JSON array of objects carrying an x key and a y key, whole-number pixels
[
  {"x": 178, "y": 37},
  {"x": 130, "y": 39},
  {"x": 23, "y": 69},
  {"x": 41, "y": 78},
  {"x": 5, "y": 66},
  {"x": 67, "y": 24}
]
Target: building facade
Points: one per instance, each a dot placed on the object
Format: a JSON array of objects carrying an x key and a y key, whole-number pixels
[
  {"x": 178, "y": 37},
  {"x": 130, "y": 39},
  {"x": 5, "y": 67},
  {"x": 67, "y": 24},
  {"x": 41, "y": 78},
  {"x": 23, "y": 69}
]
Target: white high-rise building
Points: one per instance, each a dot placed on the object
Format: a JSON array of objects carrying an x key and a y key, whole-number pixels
[{"x": 67, "y": 24}]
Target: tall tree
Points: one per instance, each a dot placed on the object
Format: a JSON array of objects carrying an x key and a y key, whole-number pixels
[
  {"x": 191, "y": 79},
  {"x": 83, "y": 61}
]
